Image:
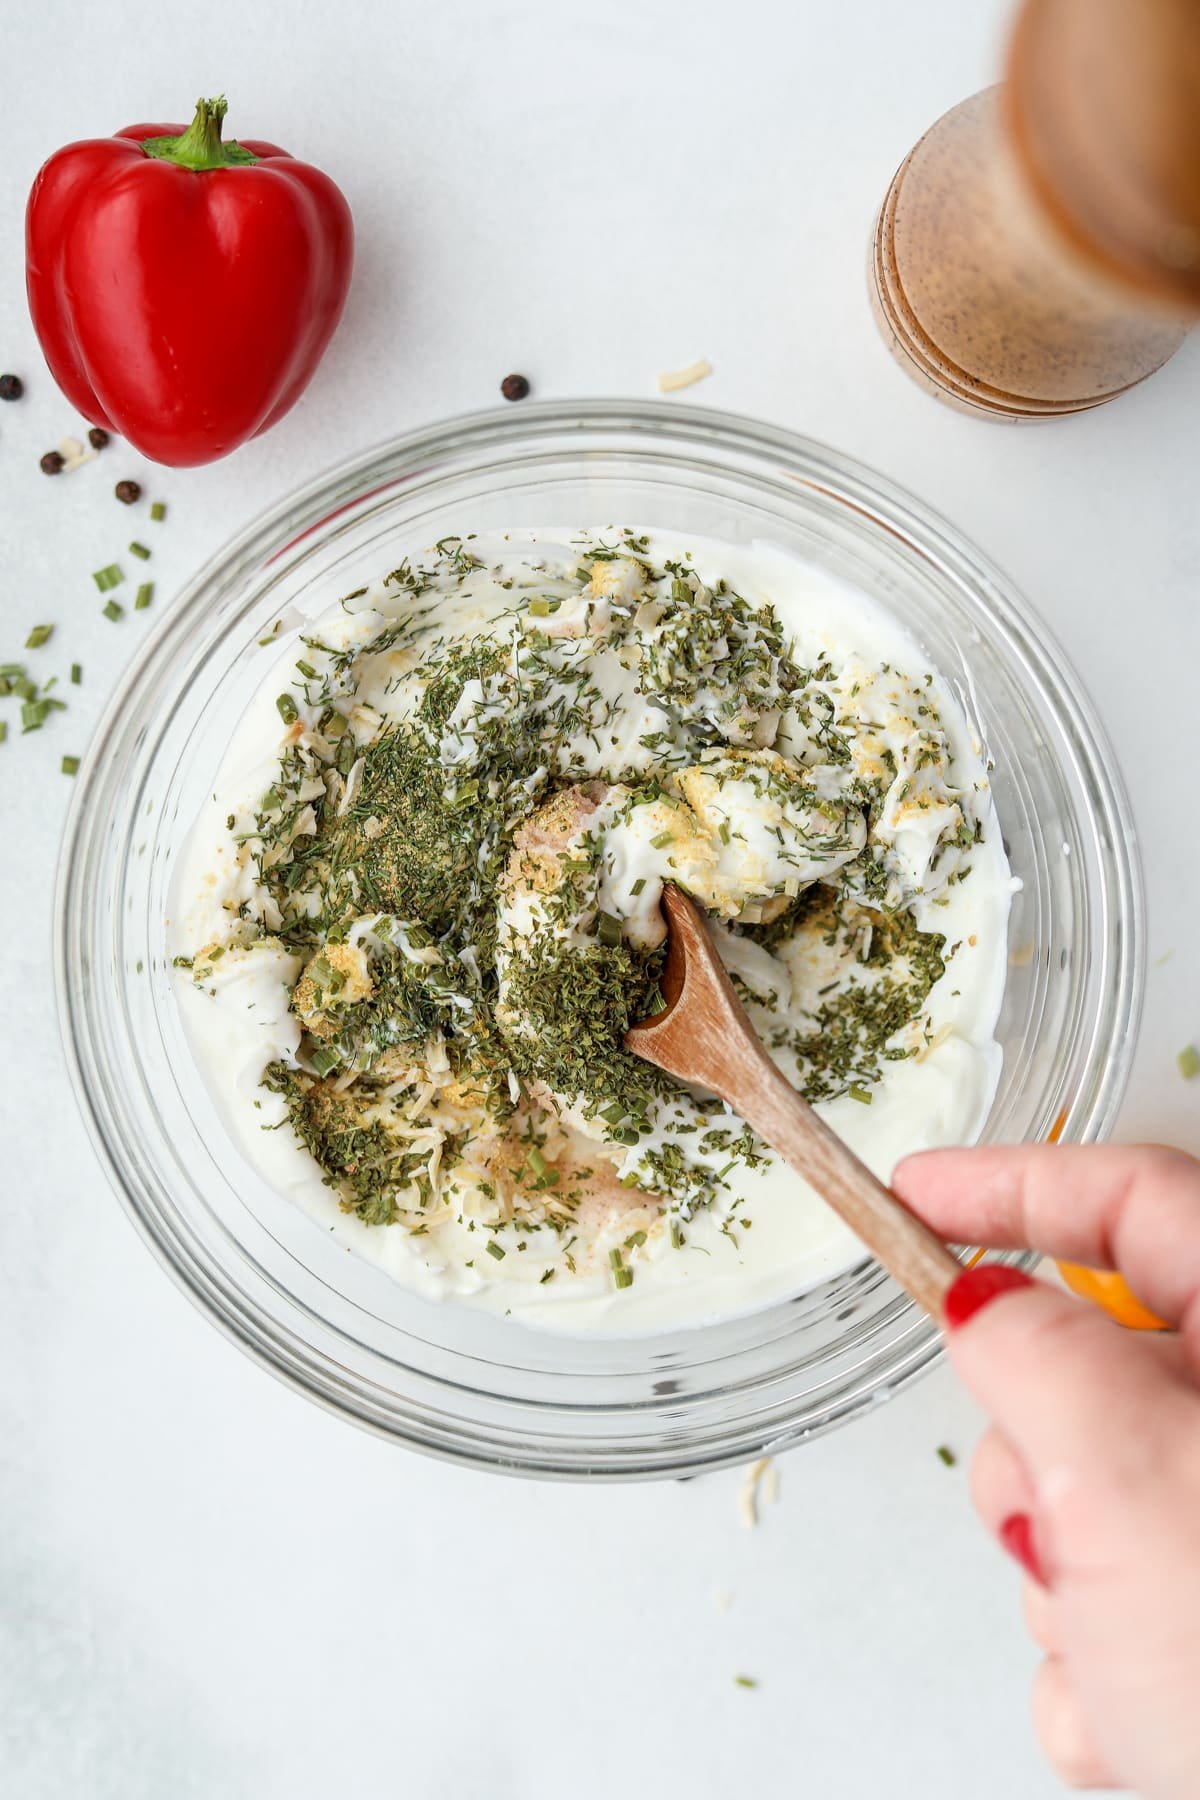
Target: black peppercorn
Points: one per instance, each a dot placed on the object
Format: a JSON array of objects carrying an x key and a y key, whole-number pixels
[
  {"x": 51, "y": 463},
  {"x": 97, "y": 437},
  {"x": 514, "y": 387},
  {"x": 11, "y": 387},
  {"x": 128, "y": 492}
]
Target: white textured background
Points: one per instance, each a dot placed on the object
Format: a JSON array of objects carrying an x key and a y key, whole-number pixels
[{"x": 208, "y": 1589}]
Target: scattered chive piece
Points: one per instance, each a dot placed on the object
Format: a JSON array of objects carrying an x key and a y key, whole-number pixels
[
  {"x": 108, "y": 577},
  {"x": 76, "y": 674},
  {"x": 946, "y": 1455},
  {"x": 676, "y": 1235},
  {"x": 113, "y": 609},
  {"x": 139, "y": 550},
  {"x": 661, "y": 841},
  {"x": 1188, "y": 1062},
  {"x": 158, "y": 510},
  {"x": 638, "y": 885},
  {"x": 608, "y": 930},
  {"x": 724, "y": 832},
  {"x": 143, "y": 597},
  {"x": 542, "y": 609},
  {"x": 16, "y": 669},
  {"x": 33, "y": 714},
  {"x": 622, "y": 1276},
  {"x": 70, "y": 765},
  {"x": 307, "y": 670},
  {"x": 548, "y": 1276},
  {"x": 746, "y": 1681},
  {"x": 859, "y": 1093},
  {"x": 493, "y": 1249},
  {"x": 5, "y": 687},
  {"x": 289, "y": 712},
  {"x": 3, "y": 730},
  {"x": 24, "y": 688},
  {"x": 41, "y": 634},
  {"x": 635, "y": 1239},
  {"x": 537, "y": 1161},
  {"x": 325, "y": 1061}
]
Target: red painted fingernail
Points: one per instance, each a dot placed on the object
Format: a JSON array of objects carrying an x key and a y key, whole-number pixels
[
  {"x": 1016, "y": 1534},
  {"x": 975, "y": 1287}
]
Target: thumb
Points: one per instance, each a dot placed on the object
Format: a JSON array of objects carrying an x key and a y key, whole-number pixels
[{"x": 1077, "y": 1397}]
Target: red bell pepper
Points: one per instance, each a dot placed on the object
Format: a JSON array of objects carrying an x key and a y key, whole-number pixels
[{"x": 184, "y": 289}]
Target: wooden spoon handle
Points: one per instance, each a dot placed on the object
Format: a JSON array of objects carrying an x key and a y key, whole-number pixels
[{"x": 908, "y": 1250}]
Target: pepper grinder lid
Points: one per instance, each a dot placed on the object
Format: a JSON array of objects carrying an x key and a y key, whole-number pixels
[{"x": 1103, "y": 102}]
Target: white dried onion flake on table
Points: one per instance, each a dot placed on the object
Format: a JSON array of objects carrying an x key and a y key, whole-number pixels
[{"x": 671, "y": 380}]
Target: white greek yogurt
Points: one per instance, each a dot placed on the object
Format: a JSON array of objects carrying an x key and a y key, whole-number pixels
[{"x": 761, "y": 798}]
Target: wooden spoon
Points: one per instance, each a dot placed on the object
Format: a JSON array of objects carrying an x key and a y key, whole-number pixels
[{"x": 704, "y": 1036}]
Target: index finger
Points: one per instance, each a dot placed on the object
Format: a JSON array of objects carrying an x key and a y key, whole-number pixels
[{"x": 1135, "y": 1208}]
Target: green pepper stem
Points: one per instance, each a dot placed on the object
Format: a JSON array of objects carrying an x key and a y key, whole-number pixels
[{"x": 200, "y": 146}]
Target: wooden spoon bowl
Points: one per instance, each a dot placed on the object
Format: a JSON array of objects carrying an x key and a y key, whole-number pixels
[{"x": 705, "y": 1037}]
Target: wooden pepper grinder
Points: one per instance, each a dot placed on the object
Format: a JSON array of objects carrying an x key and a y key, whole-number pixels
[{"x": 1038, "y": 251}]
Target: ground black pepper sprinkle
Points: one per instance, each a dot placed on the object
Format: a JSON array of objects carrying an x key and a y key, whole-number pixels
[
  {"x": 514, "y": 387},
  {"x": 128, "y": 492},
  {"x": 11, "y": 387},
  {"x": 98, "y": 437},
  {"x": 51, "y": 463}
]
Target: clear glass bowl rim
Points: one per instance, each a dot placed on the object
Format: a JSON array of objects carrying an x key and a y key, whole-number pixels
[{"x": 307, "y": 508}]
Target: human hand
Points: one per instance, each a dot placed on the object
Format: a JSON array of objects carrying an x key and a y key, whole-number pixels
[{"x": 1090, "y": 1474}]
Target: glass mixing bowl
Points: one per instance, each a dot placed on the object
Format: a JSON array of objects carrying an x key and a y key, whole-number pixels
[{"x": 448, "y": 1379}]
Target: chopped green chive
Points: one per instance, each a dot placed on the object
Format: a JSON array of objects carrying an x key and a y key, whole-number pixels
[
  {"x": 3, "y": 730},
  {"x": 493, "y": 1249},
  {"x": 24, "y": 688},
  {"x": 542, "y": 609},
  {"x": 307, "y": 670},
  {"x": 158, "y": 511},
  {"x": 746, "y": 1681},
  {"x": 622, "y": 1276},
  {"x": 946, "y": 1455},
  {"x": 537, "y": 1161},
  {"x": 76, "y": 674},
  {"x": 1188, "y": 1062},
  {"x": 676, "y": 1235},
  {"x": 70, "y": 765},
  {"x": 861, "y": 1094},
  {"x": 139, "y": 550},
  {"x": 635, "y": 1239},
  {"x": 608, "y": 930},
  {"x": 325, "y": 1061},
  {"x": 724, "y": 829},
  {"x": 41, "y": 634},
  {"x": 289, "y": 712},
  {"x": 638, "y": 885},
  {"x": 272, "y": 634},
  {"x": 547, "y": 1276},
  {"x": 5, "y": 687},
  {"x": 113, "y": 609},
  {"x": 144, "y": 596},
  {"x": 108, "y": 577},
  {"x": 33, "y": 715},
  {"x": 15, "y": 670},
  {"x": 662, "y": 840}
]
